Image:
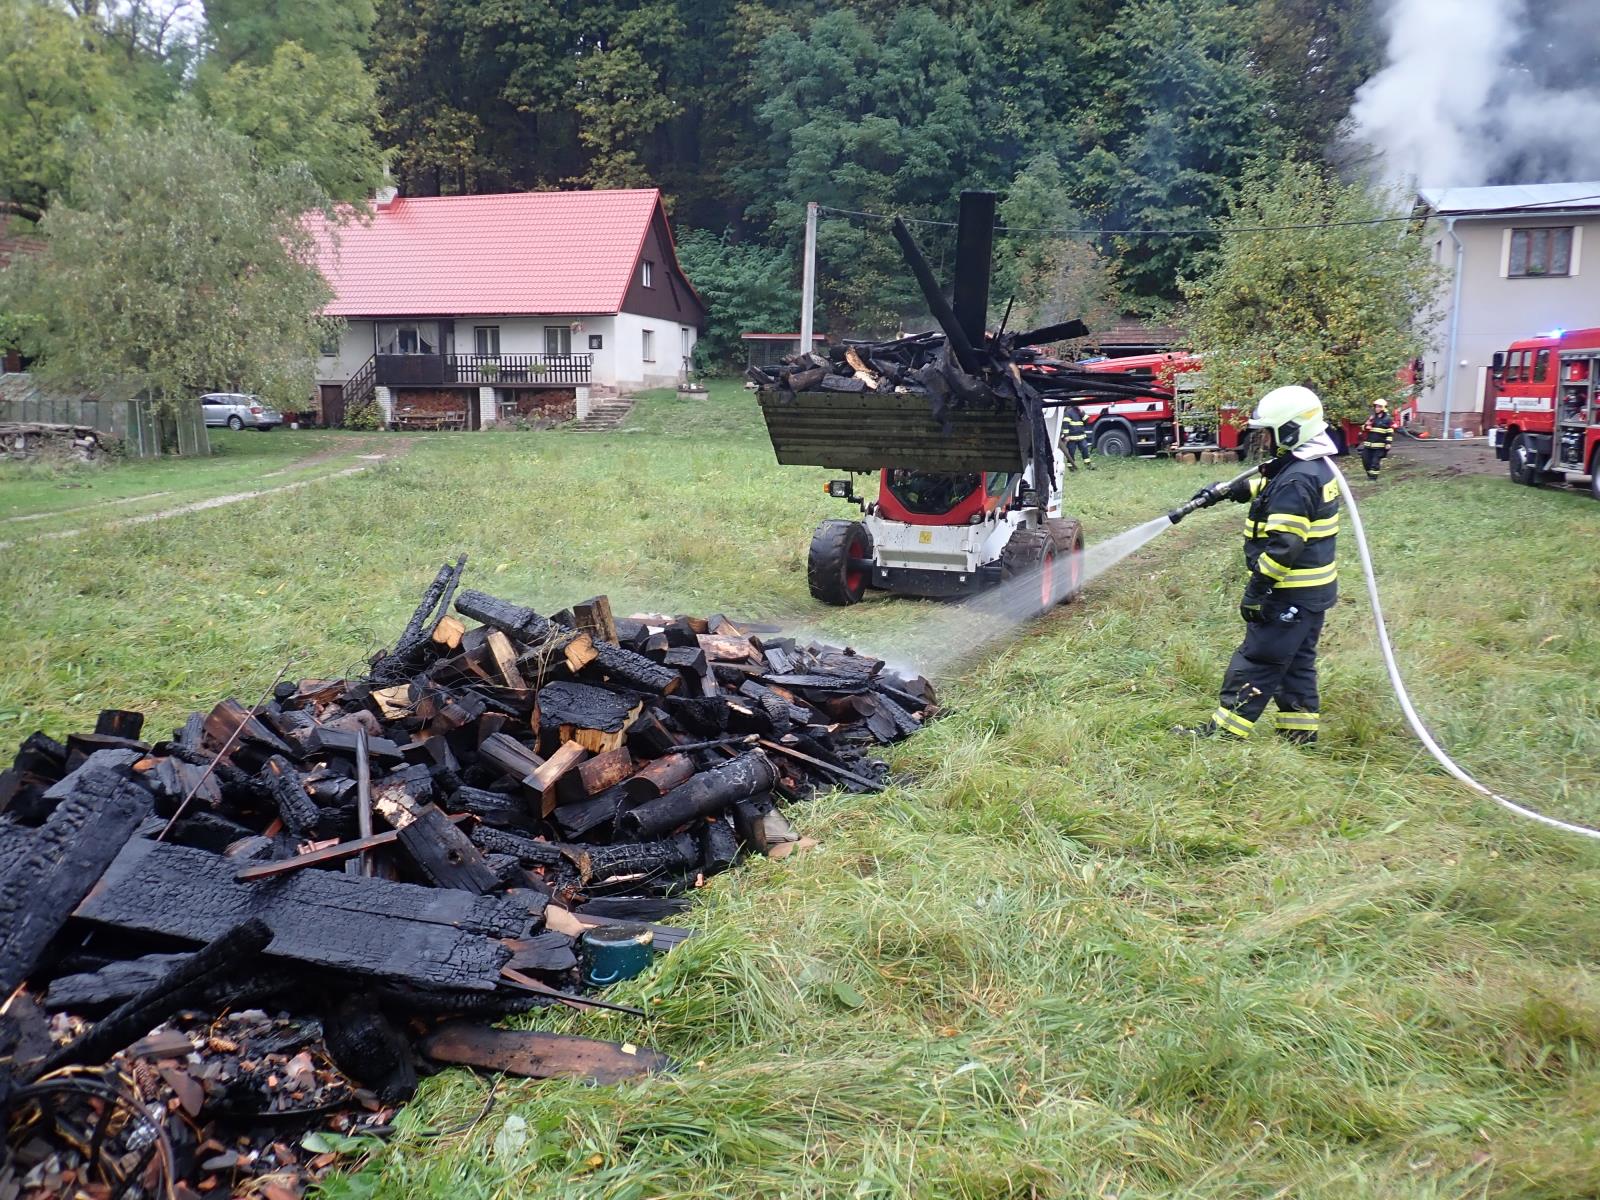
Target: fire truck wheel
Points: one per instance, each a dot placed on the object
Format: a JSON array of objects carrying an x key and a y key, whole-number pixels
[
  {"x": 1068, "y": 538},
  {"x": 1114, "y": 443},
  {"x": 1523, "y": 461},
  {"x": 835, "y": 567}
]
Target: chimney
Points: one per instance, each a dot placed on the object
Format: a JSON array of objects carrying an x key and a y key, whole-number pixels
[{"x": 386, "y": 195}]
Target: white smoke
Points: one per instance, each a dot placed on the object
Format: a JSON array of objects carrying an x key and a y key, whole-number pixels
[{"x": 1484, "y": 91}]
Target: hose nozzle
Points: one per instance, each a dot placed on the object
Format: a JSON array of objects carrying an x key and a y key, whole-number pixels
[{"x": 1215, "y": 493}]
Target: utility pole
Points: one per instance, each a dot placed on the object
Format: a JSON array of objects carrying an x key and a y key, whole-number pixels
[{"x": 808, "y": 279}]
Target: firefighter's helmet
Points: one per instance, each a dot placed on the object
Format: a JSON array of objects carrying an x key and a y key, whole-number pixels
[
  {"x": 1380, "y": 402},
  {"x": 1294, "y": 414}
]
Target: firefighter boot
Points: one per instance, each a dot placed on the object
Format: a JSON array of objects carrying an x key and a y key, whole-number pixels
[{"x": 1301, "y": 737}]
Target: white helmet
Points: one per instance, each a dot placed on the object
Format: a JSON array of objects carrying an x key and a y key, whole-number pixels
[{"x": 1294, "y": 414}]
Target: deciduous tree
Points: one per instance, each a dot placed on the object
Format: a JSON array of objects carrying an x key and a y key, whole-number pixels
[
  {"x": 174, "y": 264},
  {"x": 1329, "y": 297}
]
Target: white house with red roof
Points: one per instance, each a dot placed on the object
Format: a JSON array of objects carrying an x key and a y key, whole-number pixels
[{"x": 464, "y": 310}]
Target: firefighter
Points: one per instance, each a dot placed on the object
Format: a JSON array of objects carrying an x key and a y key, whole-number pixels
[
  {"x": 1290, "y": 532},
  {"x": 1075, "y": 437},
  {"x": 1376, "y": 437}
]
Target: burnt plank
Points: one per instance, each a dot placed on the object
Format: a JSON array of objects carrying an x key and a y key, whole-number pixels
[
  {"x": 445, "y": 855},
  {"x": 538, "y": 1055},
  {"x": 437, "y": 937},
  {"x": 547, "y": 951},
  {"x": 98, "y": 811}
]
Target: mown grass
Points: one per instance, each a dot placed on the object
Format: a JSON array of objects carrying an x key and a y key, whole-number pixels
[
  {"x": 41, "y": 496},
  {"x": 1094, "y": 961}
]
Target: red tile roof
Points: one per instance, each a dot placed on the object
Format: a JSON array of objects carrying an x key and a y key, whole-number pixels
[{"x": 516, "y": 253}]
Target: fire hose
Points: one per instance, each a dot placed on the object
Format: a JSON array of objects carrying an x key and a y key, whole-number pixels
[{"x": 1219, "y": 491}]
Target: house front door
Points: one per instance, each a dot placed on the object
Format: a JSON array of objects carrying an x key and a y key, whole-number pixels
[{"x": 331, "y": 396}]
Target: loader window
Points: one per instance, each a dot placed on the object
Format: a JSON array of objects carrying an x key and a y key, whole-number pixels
[
  {"x": 998, "y": 483},
  {"x": 931, "y": 492}
]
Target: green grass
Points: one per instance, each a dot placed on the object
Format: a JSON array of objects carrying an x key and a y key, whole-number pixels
[
  {"x": 39, "y": 497},
  {"x": 1096, "y": 961}
]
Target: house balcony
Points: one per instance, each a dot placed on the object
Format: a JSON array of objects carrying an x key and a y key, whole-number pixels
[{"x": 483, "y": 370}]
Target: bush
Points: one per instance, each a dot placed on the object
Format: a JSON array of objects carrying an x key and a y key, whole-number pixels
[
  {"x": 366, "y": 414},
  {"x": 747, "y": 289}
]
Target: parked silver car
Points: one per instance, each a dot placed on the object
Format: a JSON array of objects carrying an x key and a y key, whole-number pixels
[{"x": 237, "y": 410}]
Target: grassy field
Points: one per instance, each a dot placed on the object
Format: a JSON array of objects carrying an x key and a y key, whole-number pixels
[
  {"x": 1069, "y": 955},
  {"x": 40, "y": 497}
]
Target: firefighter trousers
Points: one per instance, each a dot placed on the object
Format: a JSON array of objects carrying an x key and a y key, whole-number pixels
[
  {"x": 1277, "y": 661},
  {"x": 1372, "y": 459},
  {"x": 1073, "y": 447}
]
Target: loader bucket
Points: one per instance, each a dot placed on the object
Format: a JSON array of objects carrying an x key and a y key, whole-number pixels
[{"x": 868, "y": 431}]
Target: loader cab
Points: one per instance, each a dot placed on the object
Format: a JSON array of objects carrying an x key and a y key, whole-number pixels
[{"x": 942, "y": 498}]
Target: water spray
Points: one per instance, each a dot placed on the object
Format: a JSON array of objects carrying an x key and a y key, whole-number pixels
[{"x": 1219, "y": 491}]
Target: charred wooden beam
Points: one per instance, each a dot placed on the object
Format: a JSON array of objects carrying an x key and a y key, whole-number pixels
[
  {"x": 369, "y": 927},
  {"x": 138, "y": 1016},
  {"x": 64, "y": 858},
  {"x": 445, "y": 855},
  {"x": 703, "y": 795}
]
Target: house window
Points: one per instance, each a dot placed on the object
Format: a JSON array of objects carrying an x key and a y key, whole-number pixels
[
  {"x": 649, "y": 345},
  {"x": 647, "y": 275},
  {"x": 408, "y": 337},
  {"x": 329, "y": 346},
  {"x": 1540, "y": 252},
  {"x": 558, "y": 339},
  {"x": 597, "y": 341},
  {"x": 486, "y": 340},
  {"x": 683, "y": 337}
]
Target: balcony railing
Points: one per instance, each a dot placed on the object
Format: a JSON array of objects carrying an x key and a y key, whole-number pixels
[{"x": 483, "y": 370}]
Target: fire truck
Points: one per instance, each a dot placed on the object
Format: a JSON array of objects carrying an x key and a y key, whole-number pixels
[
  {"x": 1146, "y": 425},
  {"x": 1546, "y": 394}
]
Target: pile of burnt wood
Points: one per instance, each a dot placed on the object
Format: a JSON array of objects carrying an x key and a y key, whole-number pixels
[{"x": 376, "y": 863}]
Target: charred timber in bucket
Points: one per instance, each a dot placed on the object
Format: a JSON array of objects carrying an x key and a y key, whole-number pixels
[{"x": 957, "y": 400}]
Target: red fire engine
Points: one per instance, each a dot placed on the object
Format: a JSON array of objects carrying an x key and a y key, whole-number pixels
[
  {"x": 1146, "y": 424},
  {"x": 1546, "y": 396}
]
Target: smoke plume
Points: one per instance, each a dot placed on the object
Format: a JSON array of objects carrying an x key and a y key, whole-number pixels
[{"x": 1484, "y": 92}]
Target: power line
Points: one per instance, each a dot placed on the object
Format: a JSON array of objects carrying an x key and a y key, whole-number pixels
[{"x": 1208, "y": 231}]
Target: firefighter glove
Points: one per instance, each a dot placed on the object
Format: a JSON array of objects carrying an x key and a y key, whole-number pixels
[
  {"x": 1239, "y": 491},
  {"x": 1257, "y": 599}
]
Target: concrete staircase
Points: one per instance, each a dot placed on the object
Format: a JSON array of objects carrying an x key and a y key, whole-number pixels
[{"x": 606, "y": 411}]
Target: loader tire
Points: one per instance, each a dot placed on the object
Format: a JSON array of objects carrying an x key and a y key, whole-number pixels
[
  {"x": 832, "y": 567},
  {"x": 1029, "y": 568},
  {"x": 1067, "y": 535}
]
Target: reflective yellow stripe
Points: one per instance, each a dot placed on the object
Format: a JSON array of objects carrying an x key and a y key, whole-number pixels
[
  {"x": 1272, "y": 568},
  {"x": 1327, "y": 527},
  {"x": 1305, "y": 577},
  {"x": 1293, "y": 522},
  {"x": 1256, "y": 484},
  {"x": 1229, "y": 721},
  {"x": 1299, "y": 720}
]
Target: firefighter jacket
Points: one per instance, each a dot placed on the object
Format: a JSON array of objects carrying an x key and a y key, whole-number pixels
[
  {"x": 1290, "y": 532},
  {"x": 1378, "y": 432},
  {"x": 1074, "y": 427}
]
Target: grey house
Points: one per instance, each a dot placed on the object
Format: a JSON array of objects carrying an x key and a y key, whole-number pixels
[{"x": 1520, "y": 260}]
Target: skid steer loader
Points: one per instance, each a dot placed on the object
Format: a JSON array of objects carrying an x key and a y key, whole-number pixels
[{"x": 958, "y": 435}]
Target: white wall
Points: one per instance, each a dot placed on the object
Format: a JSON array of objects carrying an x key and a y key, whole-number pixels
[
  {"x": 632, "y": 371},
  {"x": 355, "y": 347},
  {"x": 1497, "y": 310}
]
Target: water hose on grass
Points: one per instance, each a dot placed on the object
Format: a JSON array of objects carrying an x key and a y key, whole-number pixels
[{"x": 1399, "y": 686}]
